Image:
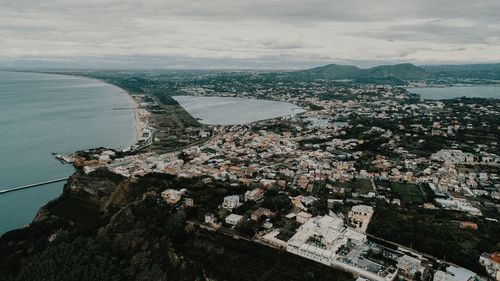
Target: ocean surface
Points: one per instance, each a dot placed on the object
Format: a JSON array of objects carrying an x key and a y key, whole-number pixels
[
  {"x": 41, "y": 114},
  {"x": 457, "y": 91},
  {"x": 232, "y": 111}
]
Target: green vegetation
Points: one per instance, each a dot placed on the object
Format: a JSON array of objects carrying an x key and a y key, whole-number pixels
[
  {"x": 71, "y": 259},
  {"x": 231, "y": 259},
  {"x": 407, "y": 192},
  {"x": 433, "y": 232}
]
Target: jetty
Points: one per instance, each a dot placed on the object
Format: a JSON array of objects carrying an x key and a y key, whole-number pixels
[{"x": 2, "y": 191}]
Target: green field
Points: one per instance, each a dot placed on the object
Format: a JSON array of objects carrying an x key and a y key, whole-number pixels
[{"x": 408, "y": 193}]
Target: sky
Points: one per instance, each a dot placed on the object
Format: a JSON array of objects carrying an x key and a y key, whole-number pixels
[{"x": 246, "y": 34}]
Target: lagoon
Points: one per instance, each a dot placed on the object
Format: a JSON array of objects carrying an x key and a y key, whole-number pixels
[
  {"x": 438, "y": 93},
  {"x": 233, "y": 111}
]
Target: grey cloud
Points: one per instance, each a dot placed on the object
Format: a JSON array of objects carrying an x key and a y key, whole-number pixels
[
  {"x": 249, "y": 31},
  {"x": 437, "y": 31}
]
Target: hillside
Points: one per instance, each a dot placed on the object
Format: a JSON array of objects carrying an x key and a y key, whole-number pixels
[
  {"x": 406, "y": 72},
  {"x": 392, "y": 74},
  {"x": 331, "y": 71},
  {"x": 108, "y": 228}
]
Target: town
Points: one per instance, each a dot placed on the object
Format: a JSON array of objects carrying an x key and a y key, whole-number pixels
[{"x": 316, "y": 184}]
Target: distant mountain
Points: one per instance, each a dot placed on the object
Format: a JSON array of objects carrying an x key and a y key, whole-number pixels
[
  {"x": 393, "y": 74},
  {"x": 331, "y": 71},
  {"x": 405, "y": 72}
]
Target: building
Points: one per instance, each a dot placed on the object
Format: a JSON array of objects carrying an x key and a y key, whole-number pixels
[
  {"x": 209, "y": 218},
  {"x": 233, "y": 219},
  {"x": 315, "y": 239},
  {"x": 188, "y": 202},
  {"x": 172, "y": 196},
  {"x": 326, "y": 240},
  {"x": 254, "y": 195},
  {"x": 468, "y": 224},
  {"x": 231, "y": 202},
  {"x": 302, "y": 217},
  {"x": 454, "y": 273},
  {"x": 410, "y": 266},
  {"x": 259, "y": 213},
  {"x": 360, "y": 216},
  {"x": 457, "y": 204},
  {"x": 492, "y": 264}
]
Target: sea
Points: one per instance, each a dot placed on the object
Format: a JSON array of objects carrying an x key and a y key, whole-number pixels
[
  {"x": 42, "y": 114},
  {"x": 438, "y": 93}
]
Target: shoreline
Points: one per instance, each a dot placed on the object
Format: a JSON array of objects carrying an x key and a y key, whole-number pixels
[{"x": 139, "y": 126}]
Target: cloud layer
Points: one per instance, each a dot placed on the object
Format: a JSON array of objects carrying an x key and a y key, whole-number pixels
[{"x": 230, "y": 32}]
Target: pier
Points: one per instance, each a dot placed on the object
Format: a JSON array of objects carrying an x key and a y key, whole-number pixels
[{"x": 2, "y": 191}]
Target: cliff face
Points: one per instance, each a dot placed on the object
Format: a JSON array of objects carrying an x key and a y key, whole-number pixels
[{"x": 105, "y": 227}]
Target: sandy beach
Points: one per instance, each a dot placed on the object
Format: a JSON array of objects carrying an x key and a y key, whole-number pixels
[{"x": 138, "y": 122}]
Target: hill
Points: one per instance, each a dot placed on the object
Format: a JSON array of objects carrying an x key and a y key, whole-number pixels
[
  {"x": 331, "y": 71},
  {"x": 392, "y": 74},
  {"x": 405, "y": 71}
]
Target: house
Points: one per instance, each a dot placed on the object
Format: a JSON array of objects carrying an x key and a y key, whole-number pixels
[
  {"x": 209, "y": 218},
  {"x": 492, "y": 264},
  {"x": 302, "y": 217},
  {"x": 360, "y": 216},
  {"x": 409, "y": 266},
  {"x": 188, "y": 202},
  {"x": 254, "y": 195},
  {"x": 234, "y": 219},
  {"x": 172, "y": 196},
  {"x": 259, "y": 213},
  {"x": 468, "y": 224},
  {"x": 231, "y": 202},
  {"x": 454, "y": 273}
]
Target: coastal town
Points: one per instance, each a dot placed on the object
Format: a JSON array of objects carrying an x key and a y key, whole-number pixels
[
  {"x": 313, "y": 183},
  {"x": 266, "y": 140}
]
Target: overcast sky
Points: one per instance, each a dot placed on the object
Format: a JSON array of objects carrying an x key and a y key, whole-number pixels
[{"x": 246, "y": 34}]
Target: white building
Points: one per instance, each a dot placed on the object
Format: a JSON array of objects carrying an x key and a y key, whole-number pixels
[
  {"x": 302, "y": 217},
  {"x": 492, "y": 264},
  {"x": 326, "y": 240},
  {"x": 231, "y": 202},
  {"x": 233, "y": 219},
  {"x": 454, "y": 273}
]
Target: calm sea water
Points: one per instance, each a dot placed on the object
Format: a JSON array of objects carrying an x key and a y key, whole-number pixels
[
  {"x": 456, "y": 92},
  {"x": 41, "y": 114},
  {"x": 232, "y": 111}
]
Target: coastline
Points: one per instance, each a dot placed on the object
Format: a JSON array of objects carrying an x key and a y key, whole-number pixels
[
  {"x": 139, "y": 126},
  {"x": 40, "y": 196},
  {"x": 137, "y": 118}
]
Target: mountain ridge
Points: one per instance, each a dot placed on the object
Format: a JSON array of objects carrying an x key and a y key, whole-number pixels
[{"x": 398, "y": 72}]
